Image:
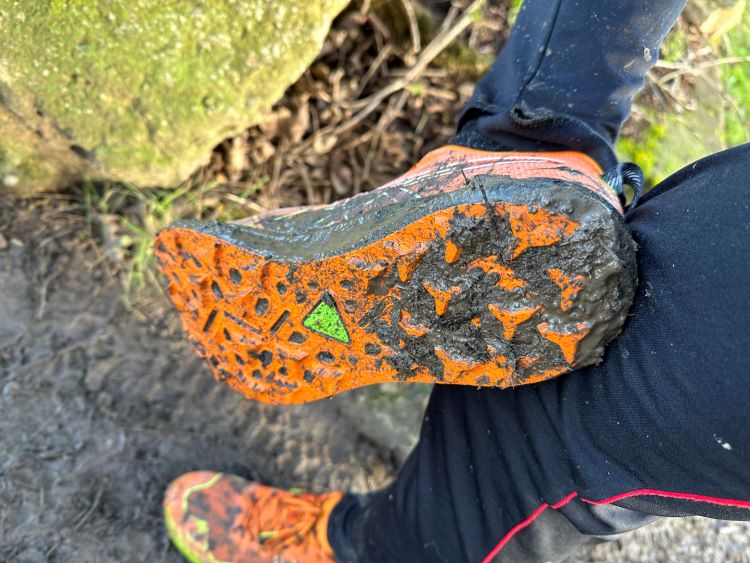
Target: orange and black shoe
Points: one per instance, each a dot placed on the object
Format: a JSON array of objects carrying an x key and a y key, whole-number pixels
[
  {"x": 474, "y": 268},
  {"x": 212, "y": 517}
]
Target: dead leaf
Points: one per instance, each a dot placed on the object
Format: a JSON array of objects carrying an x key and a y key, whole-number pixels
[
  {"x": 263, "y": 151},
  {"x": 237, "y": 160},
  {"x": 722, "y": 20},
  {"x": 324, "y": 143},
  {"x": 299, "y": 122},
  {"x": 340, "y": 174},
  {"x": 276, "y": 123}
]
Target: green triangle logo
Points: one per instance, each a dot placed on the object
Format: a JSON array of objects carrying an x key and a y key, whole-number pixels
[{"x": 325, "y": 319}]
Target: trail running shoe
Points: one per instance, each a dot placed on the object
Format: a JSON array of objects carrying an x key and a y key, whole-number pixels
[
  {"x": 474, "y": 268},
  {"x": 212, "y": 517}
]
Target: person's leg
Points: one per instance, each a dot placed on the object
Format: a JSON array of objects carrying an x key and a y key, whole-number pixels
[
  {"x": 566, "y": 76},
  {"x": 659, "y": 428}
]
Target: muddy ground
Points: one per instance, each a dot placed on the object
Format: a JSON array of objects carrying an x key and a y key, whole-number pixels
[{"x": 102, "y": 405}]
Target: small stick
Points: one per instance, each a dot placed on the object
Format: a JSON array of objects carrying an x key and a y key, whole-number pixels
[{"x": 411, "y": 16}]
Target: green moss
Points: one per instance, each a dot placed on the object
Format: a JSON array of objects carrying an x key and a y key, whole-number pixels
[
  {"x": 513, "y": 8},
  {"x": 675, "y": 47},
  {"x": 736, "y": 79},
  {"x": 464, "y": 62},
  {"x": 27, "y": 160},
  {"x": 458, "y": 58},
  {"x": 147, "y": 88},
  {"x": 643, "y": 149}
]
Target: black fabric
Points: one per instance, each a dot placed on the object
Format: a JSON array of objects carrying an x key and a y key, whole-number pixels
[
  {"x": 567, "y": 75},
  {"x": 667, "y": 410}
]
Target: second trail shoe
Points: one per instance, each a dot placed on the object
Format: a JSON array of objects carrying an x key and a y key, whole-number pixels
[
  {"x": 218, "y": 518},
  {"x": 474, "y": 268}
]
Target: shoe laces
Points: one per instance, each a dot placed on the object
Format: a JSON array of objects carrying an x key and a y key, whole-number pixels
[
  {"x": 279, "y": 520},
  {"x": 625, "y": 173}
]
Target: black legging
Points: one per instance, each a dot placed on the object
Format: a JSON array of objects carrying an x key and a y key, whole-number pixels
[{"x": 662, "y": 426}]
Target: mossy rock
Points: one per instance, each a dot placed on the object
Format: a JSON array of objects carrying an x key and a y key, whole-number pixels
[{"x": 141, "y": 91}]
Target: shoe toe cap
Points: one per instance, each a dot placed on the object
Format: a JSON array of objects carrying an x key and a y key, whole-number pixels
[{"x": 197, "y": 507}]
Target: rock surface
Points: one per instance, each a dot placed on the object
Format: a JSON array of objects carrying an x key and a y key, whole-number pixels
[{"x": 141, "y": 91}]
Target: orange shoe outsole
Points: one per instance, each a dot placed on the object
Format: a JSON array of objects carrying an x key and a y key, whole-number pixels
[{"x": 518, "y": 275}]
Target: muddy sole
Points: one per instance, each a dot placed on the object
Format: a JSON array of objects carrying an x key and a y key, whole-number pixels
[{"x": 503, "y": 283}]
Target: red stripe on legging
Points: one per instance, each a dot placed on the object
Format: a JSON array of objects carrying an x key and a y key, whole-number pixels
[
  {"x": 521, "y": 525},
  {"x": 639, "y": 492},
  {"x": 686, "y": 496}
]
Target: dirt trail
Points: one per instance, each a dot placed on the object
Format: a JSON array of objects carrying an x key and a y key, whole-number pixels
[{"x": 102, "y": 407}]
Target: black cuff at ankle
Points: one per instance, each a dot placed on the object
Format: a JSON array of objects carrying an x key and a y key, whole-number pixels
[
  {"x": 469, "y": 136},
  {"x": 486, "y": 131}
]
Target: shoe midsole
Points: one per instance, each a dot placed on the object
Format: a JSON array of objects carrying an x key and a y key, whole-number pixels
[{"x": 317, "y": 242}]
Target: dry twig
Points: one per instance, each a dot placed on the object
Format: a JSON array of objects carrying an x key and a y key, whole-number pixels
[{"x": 682, "y": 68}]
